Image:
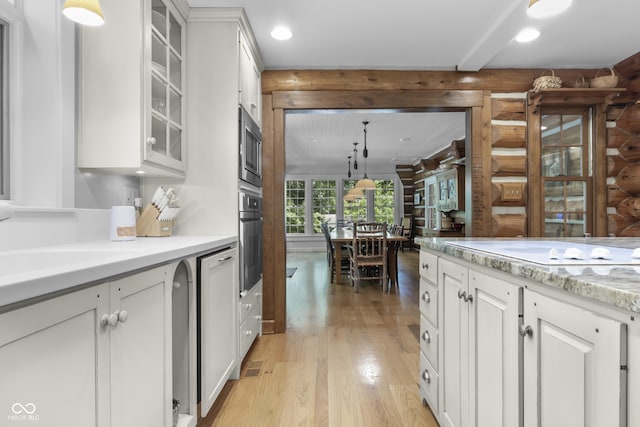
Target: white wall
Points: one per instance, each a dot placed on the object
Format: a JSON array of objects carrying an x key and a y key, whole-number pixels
[{"x": 43, "y": 145}]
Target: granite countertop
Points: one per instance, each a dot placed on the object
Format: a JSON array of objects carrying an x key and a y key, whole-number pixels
[
  {"x": 606, "y": 282},
  {"x": 35, "y": 272}
]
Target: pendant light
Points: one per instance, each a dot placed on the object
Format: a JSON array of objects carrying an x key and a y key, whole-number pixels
[
  {"x": 85, "y": 12},
  {"x": 349, "y": 170},
  {"x": 355, "y": 193},
  {"x": 365, "y": 183},
  {"x": 547, "y": 8}
]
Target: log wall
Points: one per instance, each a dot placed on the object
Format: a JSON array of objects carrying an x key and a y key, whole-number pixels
[{"x": 623, "y": 143}]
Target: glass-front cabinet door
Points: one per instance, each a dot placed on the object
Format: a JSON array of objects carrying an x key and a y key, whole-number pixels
[
  {"x": 566, "y": 173},
  {"x": 431, "y": 197},
  {"x": 165, "y": 146}
]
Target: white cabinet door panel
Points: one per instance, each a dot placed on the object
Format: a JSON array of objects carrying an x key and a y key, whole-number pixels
[
  {"x": 495, "y": 396},
  {"x": 141, "y": 351},
  {"x": 50, "y": 362},
  {"x": 573, "y": 362},
  {"x": 454, "y": 341},
  {"x": 219, "y": 323}
]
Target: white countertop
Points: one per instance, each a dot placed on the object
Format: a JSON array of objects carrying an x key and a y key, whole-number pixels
[{"x": 34, "y": 272}]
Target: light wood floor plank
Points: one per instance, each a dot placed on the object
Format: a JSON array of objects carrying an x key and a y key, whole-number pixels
[{"x": 346, "y": 360}]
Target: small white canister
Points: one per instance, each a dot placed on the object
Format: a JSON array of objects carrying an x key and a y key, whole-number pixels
[{"x": 123, "y": 223}]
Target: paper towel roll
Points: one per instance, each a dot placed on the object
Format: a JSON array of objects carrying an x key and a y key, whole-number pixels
[{"x": 123, "y": 223}]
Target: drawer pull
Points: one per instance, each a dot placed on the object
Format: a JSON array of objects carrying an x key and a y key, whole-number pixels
[
  {"x": 426, "y": 297},
  {"x": 426, "y": 377},
  {"x": 425, "y": 265},
  {"x": 426, "y": 337}
]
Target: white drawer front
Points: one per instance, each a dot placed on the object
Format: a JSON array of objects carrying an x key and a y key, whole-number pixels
[
  {"x": 429, "y": 383},
  {"x": 249, "y": 331},
  {"x": 429, "y": 266},
  {"x": 429, "y": 301},
  {"x": 247, "y": 304},
  {"x": 429, "y": 341}
]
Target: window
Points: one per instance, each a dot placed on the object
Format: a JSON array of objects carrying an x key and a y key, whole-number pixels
[
  {"x": 4, "y": 140},
  {"x": 324, "y": 203},
  {"x": 355, "y": 210},
  {"x": 294, "y": 206},
  {"x": 565, "y": 169},
  {"x": 384, "y": 202}
]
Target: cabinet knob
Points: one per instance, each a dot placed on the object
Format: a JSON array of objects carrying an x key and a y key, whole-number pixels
[
  {"x": 176, "y": 285},
  {"x": 426, "y": 377},
  {"x": 248, "y": 306},
  {"x": 426, "y": 337},
  {"x": 248, "y": 333},
  {"x": 258, "y": 317},
  {"x": 426, "y": 297},
  {"x": 525, "y": 330},
  {"x": 462, "y": 294},
  {"x": 109, "y": 319},
  {"x": 123, "y": 316},
  {"x": 152, "y": 140},
  {"x": 469, "y": 298},
  {"x": 425, "y": 265}
]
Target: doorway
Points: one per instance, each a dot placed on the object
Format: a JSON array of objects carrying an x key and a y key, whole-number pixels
[{"x": 275, "y": 107}]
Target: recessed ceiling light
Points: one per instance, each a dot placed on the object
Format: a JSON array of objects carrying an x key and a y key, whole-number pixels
[
  {"x": 527, "y": 35},
  {"x": 281, "y": 33},
  {"x": 547, "y": 8},
  {"x": 140, "y": 172},
  {"x": 406, "y": 139}
]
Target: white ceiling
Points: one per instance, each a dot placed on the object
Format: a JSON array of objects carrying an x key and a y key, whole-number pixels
[{"x": 424, "y": 35}]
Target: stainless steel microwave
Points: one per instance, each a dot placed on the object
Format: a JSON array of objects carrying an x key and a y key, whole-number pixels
[{"x": 250, "y": 150}]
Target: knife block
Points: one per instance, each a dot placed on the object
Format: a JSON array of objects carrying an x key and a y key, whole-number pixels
[{"x": 148, "y": 224}]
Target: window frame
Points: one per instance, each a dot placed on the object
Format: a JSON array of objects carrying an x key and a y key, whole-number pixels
[{"x": 12, "y": 20}]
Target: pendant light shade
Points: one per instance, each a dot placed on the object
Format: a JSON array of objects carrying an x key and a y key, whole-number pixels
[
  {"x": 356, "y": 192},
  {"x": 547, "y": 8},
  {"x": 366, "y": 184},
  {"x": 85, "y": 12},
  {"x": 349, "y": 198}
]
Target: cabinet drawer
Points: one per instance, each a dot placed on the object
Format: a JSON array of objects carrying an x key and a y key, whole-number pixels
[
  {"x": 429, "y": 341},
  {"x": 429, "y": 301},
  {"x": 429, "y": 266},
  {"x": 429, "y": 383},
  {"x": 248, "y": 303},
  {"x": 249, "y": 330}
]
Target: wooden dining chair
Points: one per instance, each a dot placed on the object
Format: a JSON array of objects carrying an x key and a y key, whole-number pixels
[{"x": 368, "y": 254}]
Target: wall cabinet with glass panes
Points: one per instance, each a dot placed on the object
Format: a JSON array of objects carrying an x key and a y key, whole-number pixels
[{"x": 132, "y": 83}]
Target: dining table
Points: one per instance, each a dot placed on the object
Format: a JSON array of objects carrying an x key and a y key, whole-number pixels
[{"x": 343, "y": 235}]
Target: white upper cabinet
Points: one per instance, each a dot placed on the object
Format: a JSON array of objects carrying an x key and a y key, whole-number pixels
[
  {"x": 250, "y": 87},
  {"x": 132, "y": 84}
]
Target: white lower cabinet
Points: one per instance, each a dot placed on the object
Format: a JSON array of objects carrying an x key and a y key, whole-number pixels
[
  {"x": 141, "y": 380},
  {"x": 575, "y": 366},
  {"x": 95, "y": 357},
  {"x": 479, "y": 359},
  {"x": 517, "y": 354},
  {"x": 218, "y": 322}
]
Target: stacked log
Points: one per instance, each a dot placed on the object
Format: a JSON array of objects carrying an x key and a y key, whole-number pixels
[
  {"x": 624, "y": 136},
  {"x": 508, "y": 166}
]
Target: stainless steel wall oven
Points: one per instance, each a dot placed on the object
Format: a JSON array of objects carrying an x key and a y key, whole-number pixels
[
  {"x": 250, "y": 239},
  {"x": 250, "y": 166}
]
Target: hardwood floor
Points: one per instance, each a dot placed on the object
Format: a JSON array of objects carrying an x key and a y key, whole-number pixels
[{"x": 346, "y": 359}]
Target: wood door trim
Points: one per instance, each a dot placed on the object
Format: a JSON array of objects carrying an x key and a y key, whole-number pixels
[
  {"x": 377, "y": 99},
  {"x": 275, "y": 106}
]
